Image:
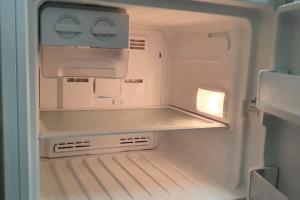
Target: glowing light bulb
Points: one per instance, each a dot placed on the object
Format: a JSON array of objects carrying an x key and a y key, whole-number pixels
[{"x": 210, "y": 102}]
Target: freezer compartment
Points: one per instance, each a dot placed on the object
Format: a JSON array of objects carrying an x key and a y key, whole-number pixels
[
  {"x": 143, "y": 175},
  {"x": 187, "y": 60},
  {"x": 113, "y": 121}
]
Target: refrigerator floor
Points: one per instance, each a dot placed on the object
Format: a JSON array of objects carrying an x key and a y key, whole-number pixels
[{"x": 122, "y": 176}]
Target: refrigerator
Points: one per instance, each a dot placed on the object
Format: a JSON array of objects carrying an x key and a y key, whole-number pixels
[{"x": 154, "y": 99}]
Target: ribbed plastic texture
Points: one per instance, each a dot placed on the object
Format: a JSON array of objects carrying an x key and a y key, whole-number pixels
[{"x": 121, "y": 177}]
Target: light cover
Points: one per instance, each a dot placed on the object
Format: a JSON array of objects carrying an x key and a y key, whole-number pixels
[{"x": 211, "y": 102}]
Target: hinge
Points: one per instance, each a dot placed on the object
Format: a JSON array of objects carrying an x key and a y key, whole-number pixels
[{"x": 250, "y": 106}]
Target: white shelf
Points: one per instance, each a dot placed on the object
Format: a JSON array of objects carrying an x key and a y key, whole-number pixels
[
  {"x": 263, "y": 184},
  {"x": 112, "y": 121},
  {"x": 279, "y": 95},
  {"x": 124, "y": 176}
]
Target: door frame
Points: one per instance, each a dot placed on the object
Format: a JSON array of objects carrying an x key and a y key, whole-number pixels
[{"x": 19, "y": 110}]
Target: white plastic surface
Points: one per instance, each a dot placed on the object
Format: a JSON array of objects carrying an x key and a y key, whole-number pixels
[
  {"x": 209, "y": 65},
  {"x": 127, "y": 176},
  {"x": 279, "y": 95},
  {"x": 262, "y": 189},
  {"x": 111, "y": 121},
  {"x": 83, "y": 62},
  {"x": 84, "y": 145},
  {"x": 142, "y": 86}
]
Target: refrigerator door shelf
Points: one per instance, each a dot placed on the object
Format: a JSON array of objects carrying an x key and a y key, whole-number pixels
[
  {"x": 278, "y": 90},
  {"x": 263, "y": 184},
  {"x": 279, "y": 94}
]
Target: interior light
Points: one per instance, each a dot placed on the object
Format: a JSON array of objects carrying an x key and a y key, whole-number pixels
[{"x": 211, "y": 102}]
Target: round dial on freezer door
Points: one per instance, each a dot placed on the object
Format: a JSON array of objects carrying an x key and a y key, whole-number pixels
[
  {"x": 68, "y": 27},
  {"x": 104, "y": 29}
]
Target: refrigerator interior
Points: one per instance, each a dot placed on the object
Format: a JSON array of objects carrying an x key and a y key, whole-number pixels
[{"x": 171, "y": 55}]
